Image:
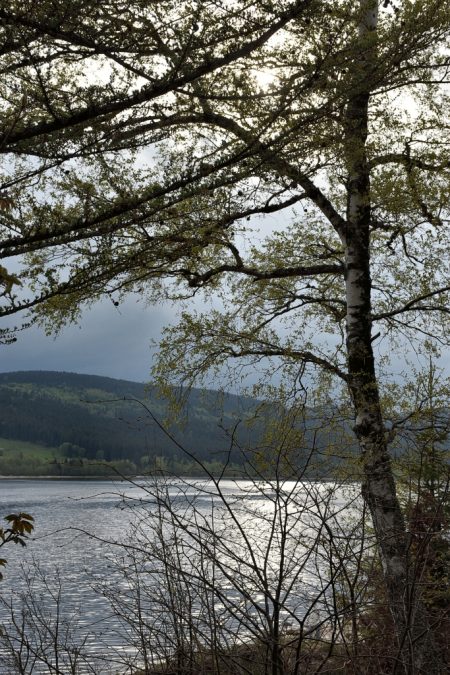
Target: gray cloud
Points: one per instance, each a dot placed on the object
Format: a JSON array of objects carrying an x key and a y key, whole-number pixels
[
  {"x": 116, "y": 342},
  {"x": 110, "y": 341}
]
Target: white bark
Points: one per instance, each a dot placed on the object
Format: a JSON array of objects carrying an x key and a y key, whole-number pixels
[{"x": 416, "y": 645}]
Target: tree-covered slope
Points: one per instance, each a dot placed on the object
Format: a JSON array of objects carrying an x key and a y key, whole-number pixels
[
  {"x": 95, "y": 418},
  {"x": 63, "y": 423}
]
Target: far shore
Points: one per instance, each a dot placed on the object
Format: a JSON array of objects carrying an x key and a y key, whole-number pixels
[
  {"x": 66, "y": 477},
  {"x": 115, "y": 477}
]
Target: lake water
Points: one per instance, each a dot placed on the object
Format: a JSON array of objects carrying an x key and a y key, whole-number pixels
[{"x": 95, "y": 561}]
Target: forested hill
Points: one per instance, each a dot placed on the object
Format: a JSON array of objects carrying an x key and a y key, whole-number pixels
[
  {"x": 68, "y": 424},
  {"x": 89, "y": 417}
]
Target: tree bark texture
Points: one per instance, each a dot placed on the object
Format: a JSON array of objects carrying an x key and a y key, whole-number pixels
[{"x": 416, "y": 650}]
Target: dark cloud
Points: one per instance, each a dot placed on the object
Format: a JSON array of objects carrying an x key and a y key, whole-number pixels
[
  {"x": 110, "y": 341},
  {"x": 117, "y": 342}
]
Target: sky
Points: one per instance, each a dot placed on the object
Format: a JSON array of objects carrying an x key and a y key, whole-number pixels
[
  {"x": 110, "y": 341},
  {"x": 121, "y": 342}
]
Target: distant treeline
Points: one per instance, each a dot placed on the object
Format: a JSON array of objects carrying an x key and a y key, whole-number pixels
[
  {"x": 87, "y": 418},
  {"x": 60, "y": 467},
  {"x": 90, "y": 424}
]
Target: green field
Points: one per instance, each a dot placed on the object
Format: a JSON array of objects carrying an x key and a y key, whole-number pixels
[
  {"x": 13, "y": 449},
  {"x": 21, "y": 458}
]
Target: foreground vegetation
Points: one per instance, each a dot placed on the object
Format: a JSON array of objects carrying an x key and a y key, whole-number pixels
[{"x": 273, "y": 577}]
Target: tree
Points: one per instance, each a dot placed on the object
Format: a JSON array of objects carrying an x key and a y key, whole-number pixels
[
  {"x": 236, "y": 578},
  {"x": 87, "y": 88},
  {"x": 42, "y": 634},
  {"x": 425, "y": 468},
  {"x": 223, "y": 577},
  {"x": 336, "y": 108}
]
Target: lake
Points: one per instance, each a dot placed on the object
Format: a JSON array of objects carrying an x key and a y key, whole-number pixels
[{"x": 237, "y": 553}]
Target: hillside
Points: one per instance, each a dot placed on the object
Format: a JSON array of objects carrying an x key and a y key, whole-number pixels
[
  {"x": 64, "y": 424},
  {"x": 87, "y": 417}
]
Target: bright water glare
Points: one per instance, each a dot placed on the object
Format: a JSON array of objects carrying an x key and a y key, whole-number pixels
[{"x": 81, "y": 528}]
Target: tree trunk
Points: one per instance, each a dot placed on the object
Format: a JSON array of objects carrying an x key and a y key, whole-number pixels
[{"x": 417, "y": 653}]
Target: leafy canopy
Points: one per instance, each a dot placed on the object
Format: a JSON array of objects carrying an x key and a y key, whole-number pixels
[{"x": 153, "y": 141}]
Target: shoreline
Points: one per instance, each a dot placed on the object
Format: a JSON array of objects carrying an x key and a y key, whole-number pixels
[{"x": 127, "y": 479}]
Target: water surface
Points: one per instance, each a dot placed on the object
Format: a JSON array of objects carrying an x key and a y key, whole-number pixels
[{"x": 82, "y": 528}]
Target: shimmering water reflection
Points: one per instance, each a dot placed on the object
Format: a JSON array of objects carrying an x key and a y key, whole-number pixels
[{"x": 91, "y": 537}]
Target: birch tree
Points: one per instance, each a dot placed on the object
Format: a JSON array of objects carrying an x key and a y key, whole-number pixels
[{"x": 330, "y": 115}]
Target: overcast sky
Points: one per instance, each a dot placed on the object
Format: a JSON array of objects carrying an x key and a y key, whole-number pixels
[
  {"x": 110, "y": 341},
  {"x": 117, "y": 341}
]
